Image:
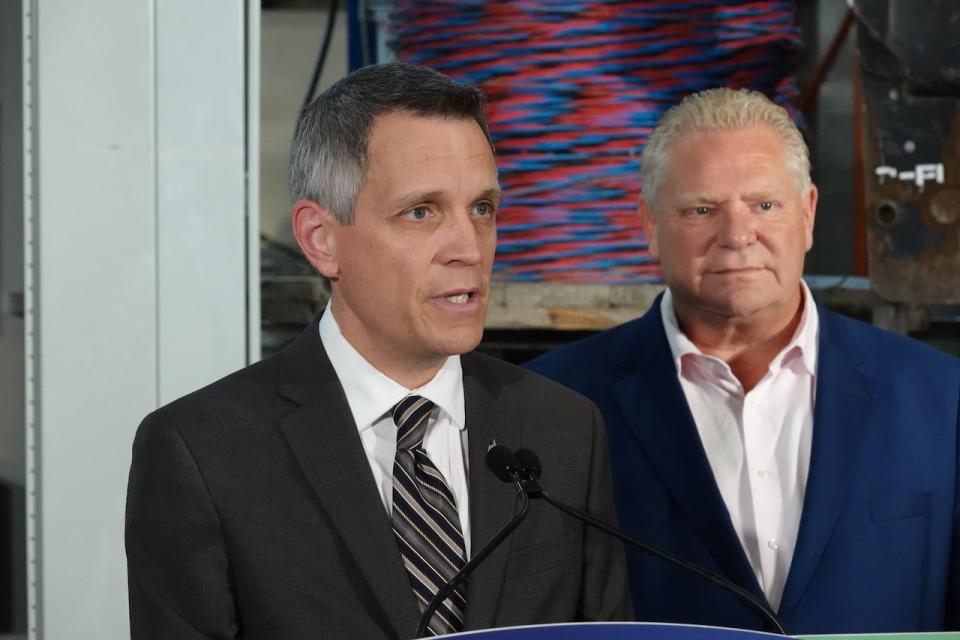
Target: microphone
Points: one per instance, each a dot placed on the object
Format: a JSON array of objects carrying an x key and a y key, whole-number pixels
[
  {"x": 530, "y": 471},
  {"x": 504, "y": 465},
  {"x": 529, "y": 463}
]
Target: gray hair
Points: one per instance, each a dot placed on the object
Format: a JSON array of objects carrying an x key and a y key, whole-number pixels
[
  {"x": 328, "y": 157},
  {"x": 715, "y": 109}
]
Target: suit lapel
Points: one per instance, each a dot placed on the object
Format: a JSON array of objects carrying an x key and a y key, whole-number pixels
[
  {"x": 841, "y": 419},
  {"x": 324, "y": 441},
  {"x": 491, "y": 501},
  {"x": 655, "y": 409}
]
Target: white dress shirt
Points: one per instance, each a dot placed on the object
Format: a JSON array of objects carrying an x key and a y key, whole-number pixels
[
  {"x": 757, "y": 443},
  {"x": 371, "y": 396}
]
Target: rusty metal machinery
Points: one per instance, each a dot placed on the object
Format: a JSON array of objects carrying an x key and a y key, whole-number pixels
[{"x": 910, "y": 71}]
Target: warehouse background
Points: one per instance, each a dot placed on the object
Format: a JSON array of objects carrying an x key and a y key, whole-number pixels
[{"x": 145, "y": 246}]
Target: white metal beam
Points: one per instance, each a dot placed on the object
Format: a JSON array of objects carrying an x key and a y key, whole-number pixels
[{"x": 139, "y": 265}]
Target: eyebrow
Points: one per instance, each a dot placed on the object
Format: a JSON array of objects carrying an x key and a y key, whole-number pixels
[
  {"x": 689, "y": 200},
  {"x": 493, "y": 193},
  {"x": 695, "y": 199},
  {"x": 760, "y": 195}
]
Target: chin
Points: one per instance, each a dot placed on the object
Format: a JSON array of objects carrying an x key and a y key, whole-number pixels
[{"x": 458, "y": 341}]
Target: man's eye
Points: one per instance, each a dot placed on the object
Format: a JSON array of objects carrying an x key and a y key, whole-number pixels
[
  {"x": 766, "y": 205},
  {"x": 417, "y": 213},
  {"x": 483, "y": 209},
  {"x": 701, "y": 211}
]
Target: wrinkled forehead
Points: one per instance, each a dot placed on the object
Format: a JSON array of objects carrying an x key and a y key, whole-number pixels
[
  {"x": 719, "y": 158},
  {"x": 388, "y": 118},
  {"x": 447, "y": 157}
]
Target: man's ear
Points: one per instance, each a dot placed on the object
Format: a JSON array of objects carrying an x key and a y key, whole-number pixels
[
  {"x": 809, "y": 214},
  {"x": 649, "y": 222},
  {"x": 315, "y": 229}
]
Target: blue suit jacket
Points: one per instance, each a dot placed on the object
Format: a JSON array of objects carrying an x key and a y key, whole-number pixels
[{"x": 878, "y": 547}]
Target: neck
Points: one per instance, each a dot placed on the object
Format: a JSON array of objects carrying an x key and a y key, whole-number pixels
[
  {"x": 747, "y": 345},
  {"x": 410, "y": 377},
  {"x": 404, "y": 369}
]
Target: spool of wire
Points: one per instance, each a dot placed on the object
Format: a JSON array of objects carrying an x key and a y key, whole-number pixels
[{"x": 574, "y": 89}]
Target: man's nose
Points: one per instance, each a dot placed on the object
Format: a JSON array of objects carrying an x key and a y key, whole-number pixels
[
  {"x": 738, "y": 226},
  {"x": 462, "y": 240}
]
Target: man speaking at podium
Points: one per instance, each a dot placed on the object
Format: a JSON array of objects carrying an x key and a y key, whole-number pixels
[
  {"x": 807, "y": 457},
  {"x": 329, "y": 491}
]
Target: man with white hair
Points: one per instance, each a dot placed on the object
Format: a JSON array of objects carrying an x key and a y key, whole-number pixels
[{"x": 809, "y": 458}]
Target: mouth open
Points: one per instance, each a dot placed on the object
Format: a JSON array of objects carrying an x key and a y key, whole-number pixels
[{"x": 460, "y": 298}]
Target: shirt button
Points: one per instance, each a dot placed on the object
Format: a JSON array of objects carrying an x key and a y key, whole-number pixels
[
  {"x": 773, "y": 544},
  {"x": 763, "y": 473}
]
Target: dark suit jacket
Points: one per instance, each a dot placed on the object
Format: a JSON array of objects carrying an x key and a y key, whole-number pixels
[
  {"x": 252, "y": 512},
  {"x": 878, "y": 547}
]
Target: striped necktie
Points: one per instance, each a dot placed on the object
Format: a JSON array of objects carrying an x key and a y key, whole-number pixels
[{"x": 425, "y": 520}]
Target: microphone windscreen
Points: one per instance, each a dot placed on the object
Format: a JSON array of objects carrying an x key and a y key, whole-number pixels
[
  {"x": 502, "y": 462},
  {"x": 529, "y": 463}
]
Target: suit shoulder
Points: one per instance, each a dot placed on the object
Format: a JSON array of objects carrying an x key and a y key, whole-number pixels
[
  {"x": 892, "y": 351},
  {"x": 593, "y": 360},
  {"x": 523, "y": 382},
  {"x": 240, "y": 394},
  {"x": 255, "y": 378}
]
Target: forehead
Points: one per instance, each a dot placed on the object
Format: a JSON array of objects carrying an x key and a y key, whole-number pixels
[
  {"x": 722, "y": 159},
  {"x": 409, "y": 154},
  {"x": 412, "y": 160},
  {"x": 758, "y": 142},
  {"x": 406, "y": 134}
]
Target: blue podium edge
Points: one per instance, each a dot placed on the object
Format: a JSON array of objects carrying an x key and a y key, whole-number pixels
[
  {"x": 613, "y": 631},
  {"x": 669, "y": 631},
  {"x": 910, "y": 635}
]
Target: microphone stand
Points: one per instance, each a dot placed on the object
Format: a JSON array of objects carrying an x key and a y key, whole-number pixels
[
  {"x": 485, "y": 551},
  {"x": 532, "y": 486}
]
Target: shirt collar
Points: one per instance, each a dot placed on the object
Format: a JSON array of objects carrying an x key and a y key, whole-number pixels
[
  {"x": 371, "y": 394},
  {"x": 802, "y": 344},
  {"x": 807, "y": 335}
]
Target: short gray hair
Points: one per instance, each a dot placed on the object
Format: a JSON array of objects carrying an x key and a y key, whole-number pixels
[
  {"x": 715, "y": 109},
  {"x": 328, "y": 157}
]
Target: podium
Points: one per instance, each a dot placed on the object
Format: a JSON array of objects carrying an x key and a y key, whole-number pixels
[
  {"x": 663, "y": 631},
  {"x": 614, "y": 631}
]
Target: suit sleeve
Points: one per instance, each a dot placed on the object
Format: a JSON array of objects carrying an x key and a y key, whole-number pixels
[
  {"x": 952, "y": 622},
  {"x": 605, "y": 594},
  {"x": 178, "y": 573}
]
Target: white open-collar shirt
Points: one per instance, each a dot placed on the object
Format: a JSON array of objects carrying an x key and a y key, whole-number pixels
[
  {"x": 757, "y": 443},
  {"x": 372, "y": 395}
]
